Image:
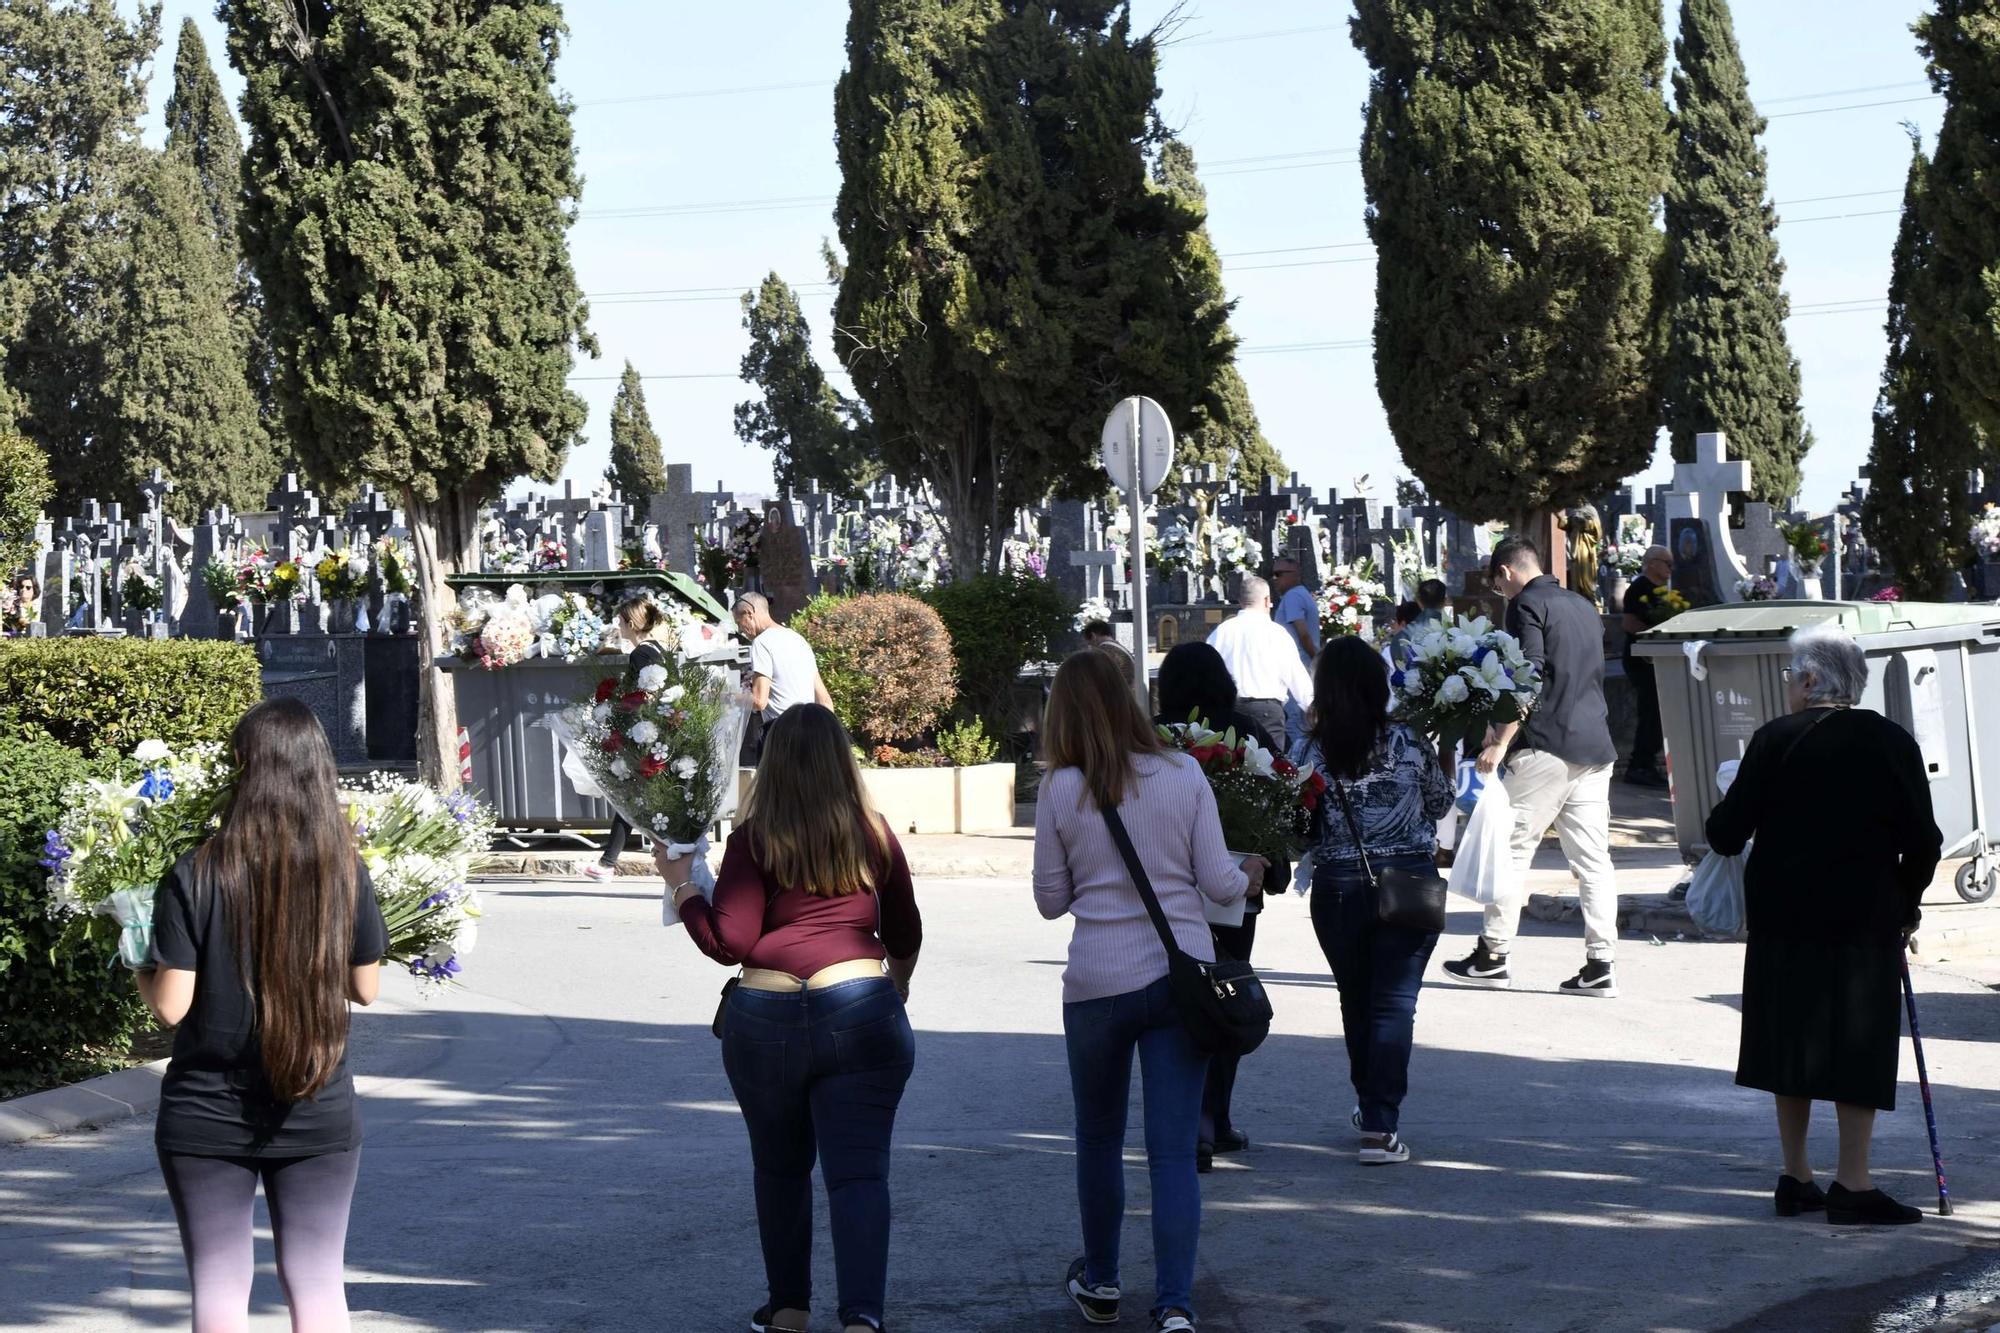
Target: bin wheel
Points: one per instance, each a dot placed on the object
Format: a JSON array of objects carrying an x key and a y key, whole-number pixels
[{"x": 1976, "y": 890}]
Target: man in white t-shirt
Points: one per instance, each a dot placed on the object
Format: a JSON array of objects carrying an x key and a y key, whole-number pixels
[
  {"x": 783, "y": 670},
  {"x": 1262, "y": 659}
]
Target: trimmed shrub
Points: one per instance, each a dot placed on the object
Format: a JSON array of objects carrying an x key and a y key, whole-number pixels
[
  {"x": 66, "y": 1010},
  {"x": 886, "y": 660},
  {"x": 104, "y": 696},
  {"x": 999, "y": 623}
]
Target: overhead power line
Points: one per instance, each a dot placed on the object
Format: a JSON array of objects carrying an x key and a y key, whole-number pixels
[{"x": 1851, "y": 106}]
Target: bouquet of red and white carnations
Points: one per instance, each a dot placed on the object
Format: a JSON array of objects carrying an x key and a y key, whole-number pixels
[
  {"x": 1345, "y": 598},
  {"x": 1266, "y": 801},
  {"x": 660, "y": 745}
]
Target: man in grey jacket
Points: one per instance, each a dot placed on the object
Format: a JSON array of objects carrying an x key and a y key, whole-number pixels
[{"x": 1557, "y": 769}]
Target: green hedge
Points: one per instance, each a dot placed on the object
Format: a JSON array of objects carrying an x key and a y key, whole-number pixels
[
  {"x": 998, "y": 623},
  {"x": 65, "y": 1011},
  {"x": 104, "y": 696}
]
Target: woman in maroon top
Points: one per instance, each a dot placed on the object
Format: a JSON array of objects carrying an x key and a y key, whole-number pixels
[{"x": 814, "y": 900}]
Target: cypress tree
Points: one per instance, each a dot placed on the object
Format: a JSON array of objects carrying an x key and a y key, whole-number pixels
[
  {"x": 1514, "y": 156},
  {"x": 1222, "y": 420},
  {"x": 637, "y": 466},
  {"x": 814, "y": 432},
  {"x": 1956, "y": 299},
  {"x": 410, "y": 180},
  {"x": 1728, "y": 366},
  {"x": 71, "y": 92},
  {"x": 1917, "y": 511},
  {"x": 1011, "y": 271},
  {"x": 201, "y": 131},
  {"x": 174, "y": 393}
]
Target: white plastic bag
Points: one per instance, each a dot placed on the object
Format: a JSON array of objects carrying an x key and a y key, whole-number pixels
[
  {"x": 1715, "y": 895},
  {"x": 1482, "y": 867}
]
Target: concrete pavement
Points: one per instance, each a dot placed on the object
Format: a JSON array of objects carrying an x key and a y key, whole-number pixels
[{"x": 555, "y": 1147}]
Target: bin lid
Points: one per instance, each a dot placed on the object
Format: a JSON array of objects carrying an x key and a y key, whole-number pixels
[{"x": 1777, "y": 620}]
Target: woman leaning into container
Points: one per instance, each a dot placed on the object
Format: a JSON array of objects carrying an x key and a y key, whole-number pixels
[
  {"x": 814, "y": 900},
  {"x": 258, "y": 1088},
  {"x": 641, "y": 623},
  {"x": 1103, "y": 754},
  {"x": 1829, "y": 904},
  {"x": 1389, "y": 778}
]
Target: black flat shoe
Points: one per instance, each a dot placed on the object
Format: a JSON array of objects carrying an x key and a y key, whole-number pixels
[
  {"x": 1233, "y": 1140},
  {"x": 1204, "y": 1157},
  {"x": 1794, "y": 1198},
  {"x": 1860, "y": 1208}
]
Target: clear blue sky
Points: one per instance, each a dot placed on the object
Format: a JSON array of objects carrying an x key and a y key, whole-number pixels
[{"x": 723, "y": 186}]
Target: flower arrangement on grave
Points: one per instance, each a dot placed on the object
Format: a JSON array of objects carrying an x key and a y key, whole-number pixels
[
  {"x": 1346, "y": 596},
  {"x": 746, "y": 541},
  {"x": 342, "y": 574},
  {"x": 1890, "y": 593},
  {"x": 287, "y": 582},
  {"x": 15, "y": 612},
  {"x": 550, "y": 555},
  {"x": 253, "y": 574},
  {"x": 1235, "y": 549},
  {"x": 219, "y": 577},
  {"x": 122, "y": 834},
  {"x": 1661, "y": 605},
  {"x": 1411, "y": 569},
  {"x": 661, "y": 744},
  {"x": 1757, "y": 588},
  {"x": 1626, "y": 552},
  {"x": 1176, "y": 551},
  {"x": 393, "y": 557},
  {"x": 138, "y": 589},
  {"x": 1462, "y": 677},
  {"x": 1090, "y": 610},
  {"x": 501, "y": 553},
  {"x": 920, "y": 556},
  {"x": 1985, "y": 534},
  {"x": 1807, "y": 543},
  {"x": 1029, "y": 556},
  {"x": 1265, "y": 800}
]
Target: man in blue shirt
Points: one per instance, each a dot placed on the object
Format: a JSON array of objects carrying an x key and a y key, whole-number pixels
[{"x": 1296, "y": 611}]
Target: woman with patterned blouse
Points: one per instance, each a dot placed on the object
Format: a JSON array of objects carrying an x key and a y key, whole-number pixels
[{"x": 1392, "y": 781}]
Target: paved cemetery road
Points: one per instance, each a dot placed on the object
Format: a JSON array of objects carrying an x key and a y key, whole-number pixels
[{"x": 555, "y": 1148}]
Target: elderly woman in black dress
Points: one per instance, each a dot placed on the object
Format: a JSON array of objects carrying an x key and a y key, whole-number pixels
[{"x": 1830, "y": 898}]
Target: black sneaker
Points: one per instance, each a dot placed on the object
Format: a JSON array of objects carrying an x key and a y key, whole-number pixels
[
  {"x": 1099, "y": 1304},
  {"x": 1482, "y": 968},
  {"x": 1595, "y": 981},
  {"x": 1854, "y": 1208},
  {"x": 761, "y": 1323},
  {"x": 1173, "y": 1321},
  {"x": 1794, "y": 1198},
  {"x": 1384, "y": 1150},
  {"x": 1204, "y": 1157}
]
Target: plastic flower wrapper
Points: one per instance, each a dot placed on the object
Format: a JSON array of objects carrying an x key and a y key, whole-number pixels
[
  {"x": 1464, "y": 676},
  {"x": 661, "y": 747}
]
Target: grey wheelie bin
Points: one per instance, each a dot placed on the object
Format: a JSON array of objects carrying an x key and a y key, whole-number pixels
[{"x": 1932, "y": 668}]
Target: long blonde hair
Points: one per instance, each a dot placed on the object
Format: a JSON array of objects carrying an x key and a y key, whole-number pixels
[
  {"x": 1094, "y": 724},
  {"x": 808, "y": 816}
]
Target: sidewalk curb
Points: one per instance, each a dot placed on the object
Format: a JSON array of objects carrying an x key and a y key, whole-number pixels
[{"x": 91, "y": 1103}]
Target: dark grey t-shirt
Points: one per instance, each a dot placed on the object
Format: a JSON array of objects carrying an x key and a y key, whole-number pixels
[{"x": 216, "y": 1100}]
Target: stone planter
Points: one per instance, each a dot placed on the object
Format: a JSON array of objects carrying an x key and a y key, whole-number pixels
[
  {"x": 979, "y": 799},
  {"x": 1810, "y": 589},
  {"x": 226, "y": 623},
  {"x": 344, "y": 614},
  {"x": 260, "y": 619},
  {"x": 985, "y": 797}
]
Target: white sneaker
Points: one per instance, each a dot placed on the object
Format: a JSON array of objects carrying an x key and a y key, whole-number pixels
[
  {"x": 597, "y": 870},
  {"x": 1390, "y": 1151}
]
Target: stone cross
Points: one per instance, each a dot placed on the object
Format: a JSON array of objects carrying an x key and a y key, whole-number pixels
[
  {"x": 156, "y": 488},
  {"x": 1701, "y": 491},
  {"x": 677, "y": 515}
]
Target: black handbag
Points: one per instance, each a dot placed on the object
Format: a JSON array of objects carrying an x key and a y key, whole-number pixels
[
  {"x": 1412, "y": 899},
  {"x": 1222, "y": 1004}
]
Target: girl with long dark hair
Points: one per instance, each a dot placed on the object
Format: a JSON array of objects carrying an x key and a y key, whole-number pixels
[
  {"x": 814, "y": 899},
  {"x": 262, "y": 937},
  {"x": 1388, "y": 776}
]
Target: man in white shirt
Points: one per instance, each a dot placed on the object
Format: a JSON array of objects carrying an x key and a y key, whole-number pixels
[
  {"x": 783, "y": 670},
  {"x": 1262, "y": 658}
]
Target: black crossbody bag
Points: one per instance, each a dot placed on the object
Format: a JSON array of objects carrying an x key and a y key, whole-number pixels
[
  {"x": 1222, "y": 1004},
  {"x": 1412, "y": 899}
]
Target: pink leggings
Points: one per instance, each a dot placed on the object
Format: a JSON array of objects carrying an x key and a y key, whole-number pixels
[{"x": 308, "y": 1198}]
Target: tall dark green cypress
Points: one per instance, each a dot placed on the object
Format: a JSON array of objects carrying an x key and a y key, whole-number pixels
[
  {"x": 1010, "y": 270},
  {"x": 201, "y": 131},
  {"x": 638, "y": 468},
  {"x": 1222, "y": 421},
  {"x": 1956, "y": 300},
  {"x": 1917, "y": 512},
  {"x": 814, "y": 432},
  {"x": 1514, "y": 157},
  {"x": 1728, "y": 365}
]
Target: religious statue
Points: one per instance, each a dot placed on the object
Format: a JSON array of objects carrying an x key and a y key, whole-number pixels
[{"x": 1586, "y": 538}]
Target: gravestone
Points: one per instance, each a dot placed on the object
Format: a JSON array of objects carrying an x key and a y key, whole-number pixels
[
  {"x": 1698, "y": 505},
  {"x": 602, "y": 530},
  {"x": 1760, "y": 542},
  {"x": 783, "y": 563}
]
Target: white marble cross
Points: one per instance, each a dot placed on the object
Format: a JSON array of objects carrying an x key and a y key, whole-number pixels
[{"x": 1713, "y": 475}]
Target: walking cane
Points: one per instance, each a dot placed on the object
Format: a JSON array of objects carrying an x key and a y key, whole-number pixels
[{"x": 1924, "y": 1085}]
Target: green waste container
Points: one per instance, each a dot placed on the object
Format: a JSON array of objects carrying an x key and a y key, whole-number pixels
[{"x": 1934, "y": 669}]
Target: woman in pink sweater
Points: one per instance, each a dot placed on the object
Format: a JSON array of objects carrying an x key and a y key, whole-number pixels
[{"x": 1103, "y": 753}]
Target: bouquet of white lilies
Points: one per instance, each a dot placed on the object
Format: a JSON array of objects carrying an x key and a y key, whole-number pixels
[{"x": 1461, "y": 678}]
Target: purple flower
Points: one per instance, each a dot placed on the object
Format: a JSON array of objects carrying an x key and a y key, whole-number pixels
[
  {"x": 156, "y": 786},
  {"x": 1397, "y": 678},
  {"x": 54, "y": 850}
]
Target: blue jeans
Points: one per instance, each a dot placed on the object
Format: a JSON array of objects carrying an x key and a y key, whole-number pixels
[
  {"x": 1379, "y": 970},
  {"x": 1101, "y": 1036},
  {"x": 821, "y": 1070}
]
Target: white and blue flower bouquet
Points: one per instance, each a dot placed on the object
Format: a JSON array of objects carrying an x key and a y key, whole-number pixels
[{"x": 1462, "y": 677}]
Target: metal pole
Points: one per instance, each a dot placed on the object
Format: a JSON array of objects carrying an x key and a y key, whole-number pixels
[{"x": 1135, "y": 497}]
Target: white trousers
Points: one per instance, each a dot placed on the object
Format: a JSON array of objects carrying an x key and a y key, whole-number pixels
[{"x": 1576, "y": 799}]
